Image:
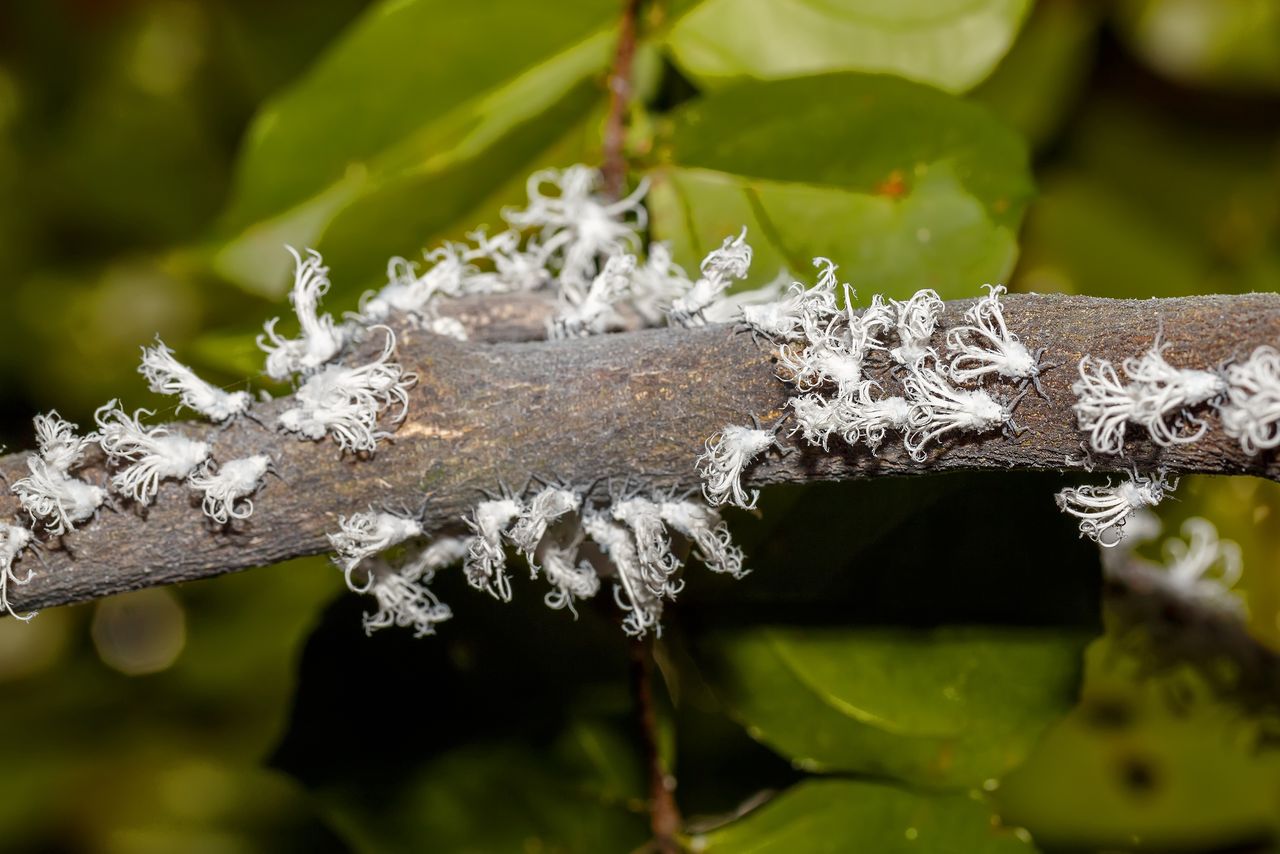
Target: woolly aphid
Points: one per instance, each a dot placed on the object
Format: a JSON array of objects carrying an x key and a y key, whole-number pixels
[
  {"x": 985, "y": 347},
  {"x": 166, "y": 375},
  {"x": 787, "y": 318},
  {"x": 731, "y": 261},
  {"x": 362, "y": 536},
  {"x": 630, "y": 592},
  {"x": 569, "y": 577},
  {"x": 870, "y": 419},
  {"x": 938, "y": 408},
  {"x": 1104, "y": 510},
  {"x": 1158, "y": 397},
  {"x": 345, "y": 402},
  {"x": 577, "y": 225},
  {"x": 150, "y": 454},
  {"x": 227, "y": 487},
  {"x": 13, "y": 539},
  {"x": 485, "y": 565},
  {"x": 721, "y": 464},
  {"x": 321, "y": 339},
  {"x": 1251, "y": 413}
]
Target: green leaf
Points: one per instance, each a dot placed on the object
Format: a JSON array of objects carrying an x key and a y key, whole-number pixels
[
  {"x": 414, "y": 91},
  {"x": 850, "y": 815},
  {"x": 906, "y": 187},
  {"x": 951, "y": 44},
  {"x": 952, "y": 707}
]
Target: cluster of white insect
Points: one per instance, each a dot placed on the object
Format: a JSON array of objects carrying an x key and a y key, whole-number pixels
[
  {"x": 823, "y": 351},
  {"x": 50, "y": 495},
  {"x": 632, "y": 535},
  {"x": 1158, "y": 397}
]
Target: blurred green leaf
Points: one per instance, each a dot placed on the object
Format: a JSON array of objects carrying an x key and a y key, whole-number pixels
[
  {"x": 1148, "y": 763},
  {"x": 1233, "y": 46},
  {"x": 829, "y": 816},
  {"x": 954, "y": 707},
  {"x": 413, "y": 91},
  {"x": 951, "y": 44},
  {"x": 906, "y": 187},
  {"x": 1037, "y": 84}
]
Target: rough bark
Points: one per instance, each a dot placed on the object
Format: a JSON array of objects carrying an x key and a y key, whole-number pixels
[{"x": 636, "y": 405}]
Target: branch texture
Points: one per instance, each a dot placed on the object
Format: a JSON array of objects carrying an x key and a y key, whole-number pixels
[{"x": 639, "y": 405}]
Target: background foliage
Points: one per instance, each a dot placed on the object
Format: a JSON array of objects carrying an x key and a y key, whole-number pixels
[{"x": 913, "y": 666}]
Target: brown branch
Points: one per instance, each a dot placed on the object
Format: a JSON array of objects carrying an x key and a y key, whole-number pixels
[
  {"x": 664, "y": 815},
  {"x": 635, "y": 405},
  {"x": 613, "y": 163}
]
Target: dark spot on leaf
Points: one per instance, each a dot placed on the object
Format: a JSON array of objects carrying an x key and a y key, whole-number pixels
[
  {"x": 1138, "y": 774},
  {"x": 1110, "y": 713}
]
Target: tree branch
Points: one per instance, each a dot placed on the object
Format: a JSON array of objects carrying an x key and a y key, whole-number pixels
[{"x": 636, "y": 405}]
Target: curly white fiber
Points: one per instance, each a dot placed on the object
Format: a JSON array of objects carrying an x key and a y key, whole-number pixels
[
  {"x": 1190, "y": 564},
  {"x": 731, "y": 261},
  {"x": 401, "y": 590},
  {"x": 13, "y": 539},
  {"x": 592, "y": 312},
  {"x": 153, "y": 453},
  {"x": 547, "y": 505},
  {"x": 644, "y": 609},
  {"x": 709, "y": 534},
  {"x": 658, "y": 565},
  {"x": 1159, "y": 398},
  {"x": 1104, "y": 405},
  {"x": 657, "y": 283},
  {"x": 362, "y": 535},
  {"x": 985, "y": 346},
  {"x": 486, "y": 562},
  {"x": 818, "y": 417},
  {"x": 727, "y": 454},
  {"x": 1166, "y": 395},
  {"x": 787, "y": 318},
  {"x": 870, "y": 419},
  {"x": 569, "y": 578},
  {"x": 346, "y": 402},
  {"x": 227, "y": 487},
  {"x": 321, "y": 338},
  {"x": 577, "y": 225},
  {"x": 938, "y": 408},
  {"x": 1251, "y": 413},
  {"x": 166, "y": 375},
  {"x": 916, "y": 320},
  {"x": 55, "y": 500},
  {"x": 57, "y": 442},
  {"x": 1103, "y": 510}
]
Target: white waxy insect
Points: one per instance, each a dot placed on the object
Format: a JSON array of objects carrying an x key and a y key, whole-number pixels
[
  {"x": 938, "y": 408},
  {"x": 152, "y": 454},
  {"x": 721, "y": 464},
  {"x": 731, "y": 261},
  {"x": 13, "y": 539},
  {"x": 577, "y": 225},
  {"x": 644, "y": 609},
  {"x": 345, "y": 402},
  {"x": 363, "y": 535},
  {"x": 916, "y": 320},
  {"x": 547, "y": 506},
  {"x": 709, "y": 534},
  {"x": 592, "y": 313},
  {"x": 985, "y": 347},
  {"x": 1103, "y": 510},
  {"x": 485, "y": 565},
  {"x": 321, "y": 338},
  {"x": 569, "y": 578},
  {"x": 1166, "y": 396},
  {"x": 57, "y": 442},
  {"x": 1251, "y": 413},
  {"x": 658, "y": 566},
  {"x": 55, "y": 500},
  {"x": 166, "y": 375},
  {"x": 227, "y": 486}
]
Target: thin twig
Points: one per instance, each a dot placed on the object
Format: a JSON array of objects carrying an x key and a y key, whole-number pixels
[
  {"x": 613, "y": 166},
  {"x": 664, "y": 815}
]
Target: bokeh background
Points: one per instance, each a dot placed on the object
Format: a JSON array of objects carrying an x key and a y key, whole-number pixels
[{"x": 154, "y": 156}]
